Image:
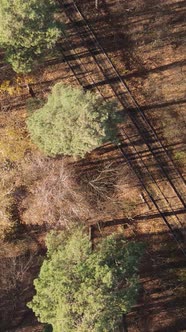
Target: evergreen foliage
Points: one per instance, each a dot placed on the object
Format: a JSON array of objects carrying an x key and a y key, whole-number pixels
[
  {"x": 27, "y": 29},
  {"x": 79, "y": 290},
  {"x": 73, "y": 122}
]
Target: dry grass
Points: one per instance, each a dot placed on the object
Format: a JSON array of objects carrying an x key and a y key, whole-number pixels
[{"x": 14, "y": 143}]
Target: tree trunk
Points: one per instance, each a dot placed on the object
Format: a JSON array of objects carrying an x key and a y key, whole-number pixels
[
  {"x": 31, "y": 91},
  {"x": 96, "y": 3},
  {"x": 91, "y": 236},
  {"x": 124, "y": 324}
]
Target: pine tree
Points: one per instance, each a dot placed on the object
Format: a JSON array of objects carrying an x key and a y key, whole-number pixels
[
  {"x": 79, "y": 290},
  {"x": 27, "y": 30},
  {"x": 73, "y": 122}
]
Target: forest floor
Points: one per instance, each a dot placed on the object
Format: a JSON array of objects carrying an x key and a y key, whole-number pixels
[{"x": 146, "y": 42}]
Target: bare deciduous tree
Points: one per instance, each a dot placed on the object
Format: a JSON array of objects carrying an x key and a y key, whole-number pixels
[{"x": 55, "y": 199}]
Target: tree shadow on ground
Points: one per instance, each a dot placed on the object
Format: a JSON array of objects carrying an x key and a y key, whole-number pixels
[
  {"x": 178, "y": 326},
  {"x": 161, "y": 289}
]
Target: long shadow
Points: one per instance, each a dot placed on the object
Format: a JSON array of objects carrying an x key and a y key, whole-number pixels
[
  {"x": 159, "y": 69},
  {"x": 89, "y": 164},
  {"x": 160, "y": 306},
  {"x": 163, "y": 105},
  {"x": 140, "y": 74},
  {"x": 178, "y": 326},
  {"x": 170, "y": 265},
  {"x": 123, "y": 221}
]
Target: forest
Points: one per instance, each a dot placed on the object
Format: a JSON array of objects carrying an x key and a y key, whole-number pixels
[{"x": 92, "y": 159}]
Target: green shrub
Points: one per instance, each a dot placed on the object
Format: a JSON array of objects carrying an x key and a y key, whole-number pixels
[
  {"x": 79, "y": 290},
  {"x": 180, "y": 157},
  {"x": 73, "y": 122},
  {"x": 27, "y": 29}
]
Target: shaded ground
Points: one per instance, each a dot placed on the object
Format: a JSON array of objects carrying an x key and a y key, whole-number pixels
[
  {"x": 146, "y": 43},
  {"x": 145, "y": 40}
]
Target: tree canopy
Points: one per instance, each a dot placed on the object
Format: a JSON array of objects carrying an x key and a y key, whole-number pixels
[
  {"x": 27, "y": 29},
  {"x": 73, "y": 122},
  {"x": 79, "y": 290}
]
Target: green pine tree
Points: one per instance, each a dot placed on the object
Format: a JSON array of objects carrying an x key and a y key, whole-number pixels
[
  {"x": 73, "y": 122},
  {"x": 79, "y": 290},
  {"x": 27, "y": 30}
]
